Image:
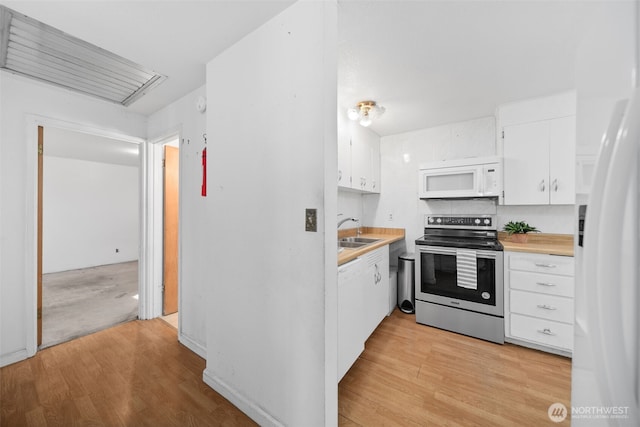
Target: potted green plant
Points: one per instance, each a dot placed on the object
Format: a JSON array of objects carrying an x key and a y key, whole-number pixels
[{"x": 518, "y": 231}]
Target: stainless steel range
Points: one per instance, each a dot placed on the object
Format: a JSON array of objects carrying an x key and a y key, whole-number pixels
[{"x": 459, "y": 276}]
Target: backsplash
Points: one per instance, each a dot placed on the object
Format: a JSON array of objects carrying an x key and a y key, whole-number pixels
[
  {"x": 548, "y": 219},
  {"x": 350, "y": 204}
]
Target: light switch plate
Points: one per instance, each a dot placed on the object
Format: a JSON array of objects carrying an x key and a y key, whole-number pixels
[{"x": 311, "y": 220}]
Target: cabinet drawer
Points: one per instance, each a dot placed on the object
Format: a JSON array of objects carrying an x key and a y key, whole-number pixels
[
  {"x": 543, "y": 283},
  {"x": 548, "y": 307},
  {"x": 551, "y": 264},
  {"x": 545, "y": 332}
]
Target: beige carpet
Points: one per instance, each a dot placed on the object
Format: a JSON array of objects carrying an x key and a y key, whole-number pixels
[{"x": 79, "y": 302}]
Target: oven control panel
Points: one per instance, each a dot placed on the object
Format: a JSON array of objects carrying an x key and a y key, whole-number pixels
[{"x": 474, "y": 222}]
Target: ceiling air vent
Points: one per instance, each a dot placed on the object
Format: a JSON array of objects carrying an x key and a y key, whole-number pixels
[{"x": 33, "y": 49}]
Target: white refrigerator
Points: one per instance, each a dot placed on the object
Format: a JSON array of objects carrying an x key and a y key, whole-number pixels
[{"x": 605, "y": 366}]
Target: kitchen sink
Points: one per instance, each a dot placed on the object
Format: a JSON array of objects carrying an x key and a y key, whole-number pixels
[
  {"x": 343, "y": 244},
  {"x": 364, "y": 240},
  {"x": 355, "y": 242}
]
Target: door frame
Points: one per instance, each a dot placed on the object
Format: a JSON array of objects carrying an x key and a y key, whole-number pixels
[{"x": 146, "y": 293}]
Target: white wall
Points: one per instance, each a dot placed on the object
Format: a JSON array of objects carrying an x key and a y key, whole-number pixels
[
  {"x": 182, "y": 117},
  {"x": 351, "y": 205},
  {"x": 271, "y": 123},
  {"x": 401, "y": 156},
  {"x": 90, "y": 210},
  {"x": 20, "y": 98}
]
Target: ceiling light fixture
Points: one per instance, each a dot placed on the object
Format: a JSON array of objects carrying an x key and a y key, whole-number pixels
[
  {"x": 365, "y": 112},
  {"x": 33, "y": 49}
]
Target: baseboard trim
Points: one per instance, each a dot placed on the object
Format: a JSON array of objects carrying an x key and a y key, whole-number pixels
[
  {"x": 16, "y": 356},
  {"x": 256, "y": 413},
  {"x": 539, "y": 347},
  {"x": 192, "y": 345}
]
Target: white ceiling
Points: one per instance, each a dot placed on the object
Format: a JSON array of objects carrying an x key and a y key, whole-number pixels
[
  {"x": 428, "y": 62},
  {"x": 436, "y": 62},
  {"x": 173, "y": 38}
]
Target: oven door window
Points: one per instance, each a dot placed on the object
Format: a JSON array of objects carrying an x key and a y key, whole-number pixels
[{"x": 439, "y": 276}]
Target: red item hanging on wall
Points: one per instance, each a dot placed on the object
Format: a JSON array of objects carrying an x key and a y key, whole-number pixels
[{"x": 204, "y": 172}]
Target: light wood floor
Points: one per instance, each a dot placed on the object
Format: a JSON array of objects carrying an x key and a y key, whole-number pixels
[
  {"x": 415, "y": 375},
  {"x": 171, "y": 319},
  {"x": 137, "y": 374},
  {"x": 134, "y": 374}
]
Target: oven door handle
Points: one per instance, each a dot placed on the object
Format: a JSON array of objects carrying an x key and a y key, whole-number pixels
[{"x": 442, "y": 250}]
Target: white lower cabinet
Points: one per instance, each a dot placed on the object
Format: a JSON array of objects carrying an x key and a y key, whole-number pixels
[
  {"x": 350, "y": 307},
  {"x": 376, "y": 289},
  {"x": 539, "y": 308},
  {"x": 363, "y": 301}
]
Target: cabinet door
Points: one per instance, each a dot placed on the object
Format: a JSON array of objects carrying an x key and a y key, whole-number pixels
[
  {"x": 360, "y": 158},
  {"x": 344, "y": 153},
  {"x": 350, "y": 319},
  {"x": 365, "y": 158},
  {"x": 562, "y": 136},
  {"x": 374, "y": 148},
  {"x": 376, "y": 288},
  {"x": 526, "y": 164}
]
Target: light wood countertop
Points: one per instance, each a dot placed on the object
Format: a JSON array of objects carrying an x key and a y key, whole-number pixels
[
  {"x": 540, "y": 243},
  {"x": 386, "y": 236}
]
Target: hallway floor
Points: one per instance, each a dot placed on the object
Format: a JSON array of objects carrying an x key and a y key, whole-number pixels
[
  {"x": 134, "y": 374},
  {"x": 79, "y": 302}
]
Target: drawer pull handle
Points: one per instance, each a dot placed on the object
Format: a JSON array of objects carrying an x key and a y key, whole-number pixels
[
  {"x": 545, "y": 284},
  {"x": 547, "y": 331},
  {"x": 539, "y": 264},
  {"x": 546, "y": 307}
]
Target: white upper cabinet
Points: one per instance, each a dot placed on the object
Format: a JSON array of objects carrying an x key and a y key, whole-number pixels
[
  {"x": 358, "y": 157},
  {"x": 374, "y": 152},
  {"x": 526, "y": 164},
  {"x": 539, "y": 151},
  {"x": 562, "y": 154},
  {"x": 344, "y": 153}
]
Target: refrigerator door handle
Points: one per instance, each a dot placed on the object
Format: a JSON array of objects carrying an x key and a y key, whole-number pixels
[
  {"x": 592, "y": 248},
  {"x": 617, "y": 374}
]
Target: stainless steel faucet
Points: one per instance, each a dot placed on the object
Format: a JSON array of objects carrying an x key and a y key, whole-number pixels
[{"x": 342, "y": 221}]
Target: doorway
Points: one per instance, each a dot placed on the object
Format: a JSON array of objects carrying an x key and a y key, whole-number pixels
[
  {"x": 88, "y": 233},
  {"x": 171, "y": 197},
  {"x": 150, "y": 223}
]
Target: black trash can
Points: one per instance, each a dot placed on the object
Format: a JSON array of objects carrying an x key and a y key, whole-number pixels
[{"x": 406, "y": 285}]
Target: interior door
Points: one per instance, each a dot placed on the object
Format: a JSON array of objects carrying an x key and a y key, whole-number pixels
[
  {"x": 171, "y": 196},
  {"x": 39, "y": 231}
]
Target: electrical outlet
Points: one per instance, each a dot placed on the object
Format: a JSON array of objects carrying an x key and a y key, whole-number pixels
[
  {"x": 117, "y": 250},
  {"x": 390, "y": 217},
  {"x": 311, "y": 220}
]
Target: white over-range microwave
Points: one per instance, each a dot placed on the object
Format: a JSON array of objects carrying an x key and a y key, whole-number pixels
[{"x": 461, "y": 179}]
